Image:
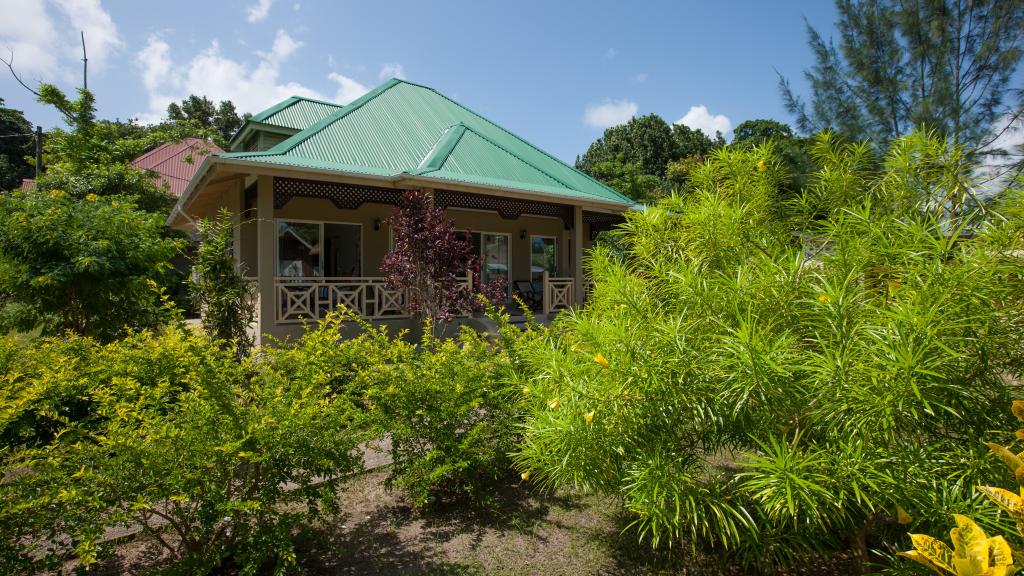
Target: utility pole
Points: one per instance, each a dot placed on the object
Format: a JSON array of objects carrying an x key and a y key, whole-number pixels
[
  {"x": 85, "y": 65},
  {"x": 39, "y": 151}
]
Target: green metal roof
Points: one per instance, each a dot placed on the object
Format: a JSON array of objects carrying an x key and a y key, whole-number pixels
[
  {"x": 404, "y": 128},
  {"x": 297, "y": 112}
]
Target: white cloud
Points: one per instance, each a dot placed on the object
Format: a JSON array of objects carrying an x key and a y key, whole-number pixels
[
  {"x": 47, "y": 42},
  {"x": 258, "y": 12},
  {"x": 611, "y": 53},
  {"x": 638, "y": 78},
  {"x": 348, "y": 89},
  {"x": 699, "y": 118},
  {"x": 609, "y": 113},
  {"x": 392, "y": 71},
  {"x": 252, "y": 87},
  {"x": 998, "y": 157}
]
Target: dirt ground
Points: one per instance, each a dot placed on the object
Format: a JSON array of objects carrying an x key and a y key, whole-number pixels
[{"x": 528, "y": 533}]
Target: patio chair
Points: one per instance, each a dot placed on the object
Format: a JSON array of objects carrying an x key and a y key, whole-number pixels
[{"x": 528, "y": 292}]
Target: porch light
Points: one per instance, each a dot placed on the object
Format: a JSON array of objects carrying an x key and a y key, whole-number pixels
[{"x": 376, "y": 224}]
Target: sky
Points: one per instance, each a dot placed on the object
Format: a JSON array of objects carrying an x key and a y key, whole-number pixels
[{"x": 555, "y": 73}]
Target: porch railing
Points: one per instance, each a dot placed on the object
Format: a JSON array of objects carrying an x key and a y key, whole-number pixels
[
  {"x": 311, "y": 298},
  {"x": 558, "y": 293}
]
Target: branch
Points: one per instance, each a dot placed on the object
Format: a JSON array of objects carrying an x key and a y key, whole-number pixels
[{"x": 10, "y": 66}]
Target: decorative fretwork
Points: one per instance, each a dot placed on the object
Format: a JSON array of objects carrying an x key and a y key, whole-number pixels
[
  {"x": 351, "y": 196},
  {"x": 344, "y": 196},
  {"x": 507, "y": 208}
]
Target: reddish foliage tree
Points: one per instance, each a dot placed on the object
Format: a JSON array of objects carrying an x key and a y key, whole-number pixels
[{"x": 429, "y": 261}]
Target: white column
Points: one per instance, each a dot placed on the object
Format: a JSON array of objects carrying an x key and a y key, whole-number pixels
[{"x": 266, "y": 238}]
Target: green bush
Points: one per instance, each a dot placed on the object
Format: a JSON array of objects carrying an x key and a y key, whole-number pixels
[
  {"x": 774, "y": 379},
  {"x": 451, "y": 410},
  {"x": 217, "y": 460},
  {"x": 90, "y": 265}
]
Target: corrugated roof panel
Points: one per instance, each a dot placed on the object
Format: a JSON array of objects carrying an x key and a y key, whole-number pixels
[
  {"x": 174, "y": 163},
  {"x": 475, "y": 156},
  {"x": 301, "y": 114},
  {"x": 395, "y": 126}
]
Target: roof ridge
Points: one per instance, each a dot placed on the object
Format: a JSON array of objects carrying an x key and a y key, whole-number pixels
[
  {"x": 525, "y": 141},
  {"x": 317, "y": 100},
  {"x": 300, "y": 137},
  {"x": 510, "y": 153},
  {"x": 266, "y": 113}
]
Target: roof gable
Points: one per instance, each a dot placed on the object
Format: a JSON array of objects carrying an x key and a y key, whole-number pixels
[{"x": 400, "y": 127}]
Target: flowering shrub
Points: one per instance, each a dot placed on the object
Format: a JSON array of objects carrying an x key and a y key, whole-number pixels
[{"x": 779, "y": 379}]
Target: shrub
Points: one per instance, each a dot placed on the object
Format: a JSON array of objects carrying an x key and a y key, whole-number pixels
[
  {"x": 91, "y": 266},
  {"x": 776, "y": 379},
  {"x": 216, "y": 460},
  {"x": 225, "y": 300},
  {"x": 451, "y": 411}
]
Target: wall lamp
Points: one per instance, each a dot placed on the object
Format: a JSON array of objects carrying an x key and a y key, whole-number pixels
[
  {"x": 376, "y": 224},
  {"x": 522, "y": 234}
]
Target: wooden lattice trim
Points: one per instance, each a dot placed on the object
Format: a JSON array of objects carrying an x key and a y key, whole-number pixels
[
  {"x": 507, "y": 208},
  {"x": 344, "y": 196}
]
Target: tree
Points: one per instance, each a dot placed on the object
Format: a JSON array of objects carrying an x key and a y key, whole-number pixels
[
  {"x": 15, "y": 146},
  {"x": 793, "y": 152},
  {"x": 645, "y": 141},
  {"x": 943, "y": 65},
  {"x": 200, "y": 111},
  {"x": 759, "y": 131},
  {"x": 635, "y": 158},
  {"x": 223, "y": 298},
  {"x": 91, "y": 266},
  {"x": 428, "y": 260}
]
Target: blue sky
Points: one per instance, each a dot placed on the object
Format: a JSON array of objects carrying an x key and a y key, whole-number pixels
[{"x": 555, "y": 73}]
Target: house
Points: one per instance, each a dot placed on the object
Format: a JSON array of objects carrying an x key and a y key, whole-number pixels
[
  {"x": 311, "y": 184},
  {"x": 173, "y": 164}
]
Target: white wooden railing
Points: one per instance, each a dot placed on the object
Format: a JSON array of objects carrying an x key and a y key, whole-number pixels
[
  {"x": 558, "y": 293},
  {"x": 311, "y": 298}
]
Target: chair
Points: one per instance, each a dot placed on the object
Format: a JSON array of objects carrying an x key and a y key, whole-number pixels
[{"x": 528, "y": 292}]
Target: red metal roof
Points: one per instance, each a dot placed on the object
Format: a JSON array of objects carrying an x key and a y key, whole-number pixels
[{"x": 174, "y": 163}]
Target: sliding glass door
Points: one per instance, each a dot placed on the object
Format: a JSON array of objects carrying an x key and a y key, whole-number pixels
[
  {"x": 314, "y": 249},
  {"x": 543, "y": 257}
]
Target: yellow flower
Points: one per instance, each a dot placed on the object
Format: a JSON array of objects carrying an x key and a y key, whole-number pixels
[
  {"x": 902, "y": 516},
  {"x": 525, "y": 476},
  {"x": 91, "y": 197},
  {"x": 1018, "y": 409},
  {"x": 56, "y": 193},
  {"x": 526, "y": 390},
  {"x": 589, "y": 417},
  {"x": 1019, "y": 434},
  {"x": 40, "y": 279},
  {"x": 554, "y": 403},
  {"x": 114, "y": 203},
  {"x": 761, "y": 166},
  {"x": 600, "y": 359},
  {"x": 824, "y": 298}
]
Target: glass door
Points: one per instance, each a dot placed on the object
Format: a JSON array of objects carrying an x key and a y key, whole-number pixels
[
  {"x": 494, "y": 256},
  {"x": 543, "y": 257}
]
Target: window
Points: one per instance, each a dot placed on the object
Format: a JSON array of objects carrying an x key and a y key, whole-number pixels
[
  {"x": 494, "y": 258},
  {"x": 543, "y": 257},
  {"x": 310, "y": 249}
]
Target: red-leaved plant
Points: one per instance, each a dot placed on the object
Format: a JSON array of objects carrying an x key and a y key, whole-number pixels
[{"x": 429, "y": 260}]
